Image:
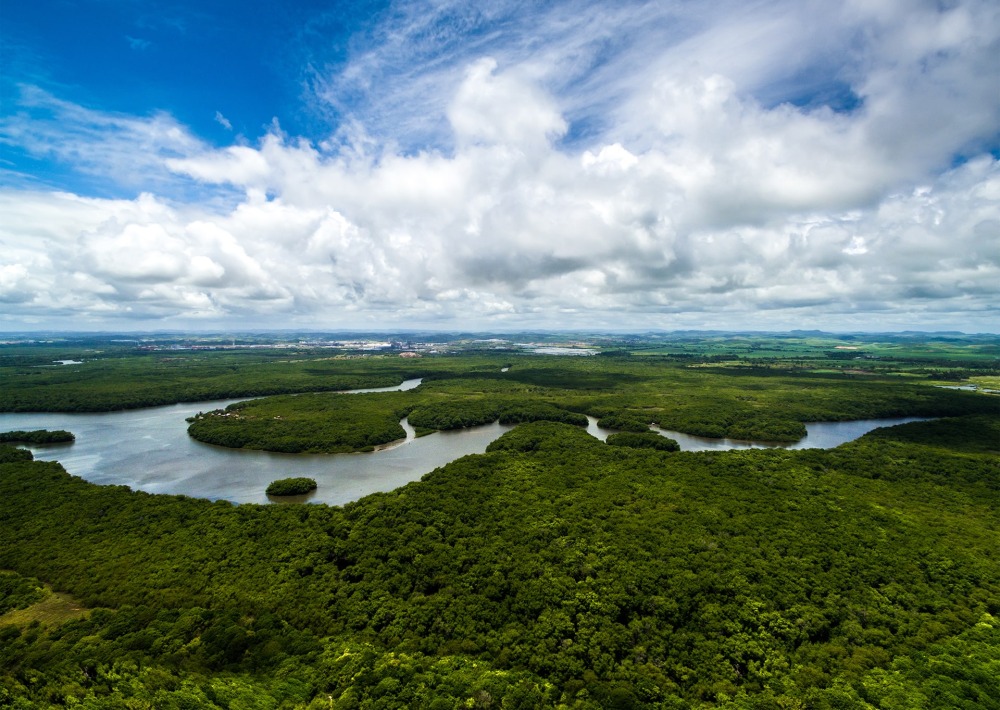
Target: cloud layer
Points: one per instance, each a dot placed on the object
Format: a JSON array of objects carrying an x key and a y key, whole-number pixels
[{"x": 788, "y": 165}]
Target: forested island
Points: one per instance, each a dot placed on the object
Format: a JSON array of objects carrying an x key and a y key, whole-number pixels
[
  {"x": 296, "y": 486},
  {"x": 555, "y": 570},
  {"x": 39, "y": 436}
]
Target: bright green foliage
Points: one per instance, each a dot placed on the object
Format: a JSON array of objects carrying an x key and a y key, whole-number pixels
[
  {"x": 644, "y": 440},
  {"x": 961, "y": 672},
  {"x": 40, "y": 436},
  {"x": 291, "y": 486}
]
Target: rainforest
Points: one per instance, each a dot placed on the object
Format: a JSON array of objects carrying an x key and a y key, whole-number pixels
[{"x": 552, "y": 570}]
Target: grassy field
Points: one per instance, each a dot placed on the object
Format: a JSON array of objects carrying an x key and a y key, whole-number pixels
[{"x": 54, "y": 609}]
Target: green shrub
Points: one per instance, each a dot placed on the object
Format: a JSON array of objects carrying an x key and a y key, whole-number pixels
[
  {"x": 291, "y": 487},
  {"x": 646, "y": 440},
  {"x": 623, "y": 421},
  {"x": 11, "y": 454},
  {"x": 40, "y": 436}
]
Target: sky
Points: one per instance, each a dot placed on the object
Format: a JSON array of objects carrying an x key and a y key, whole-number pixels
[{"x": 441, "y": 164}]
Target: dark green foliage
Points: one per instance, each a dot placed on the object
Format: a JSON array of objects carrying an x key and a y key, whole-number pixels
[
  {"x": 580, "y": 374},
  {"x": 449, "y": 414},
  {"x": 736, "y": 420},
  {"x": 40, "y": 436},
  {"x": 760, "y": 427},
  {"x": 333, "y": 423},
  {"x": 645, "y": 440},
  {"x": 544, "y": 436},
  {"x": 17, "y": 592},
  {"x": 540, "y": 411},
  {"x": 10, "y": 454},
  {"x": 973, "y": 434},
  {"x": 472, "y": 410},
  {"x": 313, "y": 423},
  {"x": 624, "y": 421},
  {"x": 291, "y": 486},
  {"x": 736, "y": 406}
]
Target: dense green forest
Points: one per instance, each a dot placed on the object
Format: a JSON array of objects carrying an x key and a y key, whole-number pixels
[
  {"x": 555, "y": 570},
  {"x": 642, "y": 440},
  {"x": 129, "y": 381},
  {"x": 623, "y": 394},
  {"x": 40, "y": 436}
]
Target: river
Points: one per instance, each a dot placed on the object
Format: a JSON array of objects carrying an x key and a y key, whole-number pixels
[
  {"x": 149, "y": 450},
  {"x": 819, "y": 435}
]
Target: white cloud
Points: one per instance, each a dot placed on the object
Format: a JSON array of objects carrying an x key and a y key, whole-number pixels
[
  {"x": 699, "y": 201},
  {"x": 503, "y": 110},
  {"x": 121, "y": 149},
  {"x": 238, "y": 165},
  {"x": 223, "y": 121}
]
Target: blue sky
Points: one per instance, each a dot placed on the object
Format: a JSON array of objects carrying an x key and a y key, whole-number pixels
[
  {"x": 182, "y": 58},
  {"x": 669, "y": 164}
]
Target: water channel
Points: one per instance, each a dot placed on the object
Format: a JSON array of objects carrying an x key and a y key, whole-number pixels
[{"x": 149, "y": 450}]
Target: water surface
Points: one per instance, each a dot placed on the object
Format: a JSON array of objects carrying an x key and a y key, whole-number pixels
[{"x": 819, "y": 435}]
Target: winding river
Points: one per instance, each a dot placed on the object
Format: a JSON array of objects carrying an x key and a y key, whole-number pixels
[{"x": 149, "y": 450}]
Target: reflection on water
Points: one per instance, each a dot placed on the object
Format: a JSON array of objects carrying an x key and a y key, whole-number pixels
[
  {"x": 149, "y": 450},
  {"x": 302, "y": 498}
]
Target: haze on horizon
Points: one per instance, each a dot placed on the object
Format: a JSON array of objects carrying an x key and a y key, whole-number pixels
[{"x": 668, "y": 165}]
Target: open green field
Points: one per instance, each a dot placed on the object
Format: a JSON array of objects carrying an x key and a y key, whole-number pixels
[
  {"x": 54, "y": 609},
  {"x": 552, "y": 571}
]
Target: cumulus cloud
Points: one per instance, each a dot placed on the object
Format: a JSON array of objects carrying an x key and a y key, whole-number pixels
[
  {"x": 712, "y": 194},
  {"x": 502, "y": 110}
]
